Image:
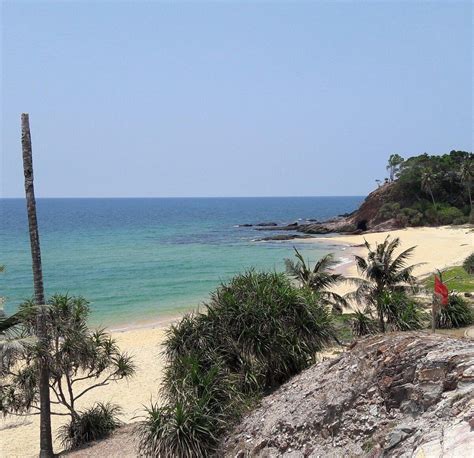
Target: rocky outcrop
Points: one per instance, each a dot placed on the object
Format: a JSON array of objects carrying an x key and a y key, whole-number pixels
[
  {"x": 400, "y": 395},
  {"x": 361, "y": 220},
  {"x": 366, "y": 214},
  {"x": 283, "y": 237}
]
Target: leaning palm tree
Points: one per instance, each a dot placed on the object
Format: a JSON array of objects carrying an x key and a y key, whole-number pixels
[
  {"x": 384, "y": 274},
  {"x": 318, "y": 279}
]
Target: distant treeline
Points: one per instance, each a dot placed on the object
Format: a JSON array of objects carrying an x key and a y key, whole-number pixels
[{"x": 429, "y": 190}]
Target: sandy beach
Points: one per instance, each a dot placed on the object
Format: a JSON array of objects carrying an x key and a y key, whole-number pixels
[
  {"x": 438, "y": 248},
  {"x": 20, "y": 435}
]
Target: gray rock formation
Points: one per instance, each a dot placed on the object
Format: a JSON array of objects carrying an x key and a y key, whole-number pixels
[{"x": 397, "y": 395}]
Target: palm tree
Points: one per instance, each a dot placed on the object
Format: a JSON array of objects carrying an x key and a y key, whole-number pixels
[
  {"x": 467, "y": 174},
  {"x": 427, "y": 180},
  {"x": 318, "y": 279},
  {"x": 46, "y": 442},
  {"x": 384, "y": 274}
]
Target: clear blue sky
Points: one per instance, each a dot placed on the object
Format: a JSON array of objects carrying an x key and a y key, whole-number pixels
[{"x": 230, "y": 99}]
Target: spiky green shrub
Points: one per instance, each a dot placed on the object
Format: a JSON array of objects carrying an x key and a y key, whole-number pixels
[
  {"x": 362, "y": 324},
  {"x": 402, "y": 311},
  {"x": 410, "y": 316},
  {"x": 89, "y": 425},
  {"x": 186, "y": 430},
  {"x": 468, "y": 264},
  {"x": 456, "y": 314},
  {"x": 256, "y": 332}
]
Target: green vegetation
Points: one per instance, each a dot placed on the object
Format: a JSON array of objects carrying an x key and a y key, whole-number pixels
[
  {"x": 457, "y": 314},
  {"x": 429, "y": 190},
  {"x": 468, "y": 264},
  {"x": 456, "y": 278},
  {"x": 393, "y": 166},
  {"x": 362, "y": 324},
  {"x": 92, "y": 424},
  {"x": 73, "y": 353},
  {"x": 318, "y": 279},
  {"x": 257, "y": 331},
  {"x": 384, "y": 286}
]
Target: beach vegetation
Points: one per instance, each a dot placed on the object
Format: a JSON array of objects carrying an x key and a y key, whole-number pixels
[
  {"x": 79, "y": 360},
  {"x": 92, "y": 424},
  {"x": 457, "y": 279},
  {"x": 256, "y": 331},
  {"x": 468, "y": 264},
  {"x": 318, "y": 278},
  {"x": 363, "y": 324},
  {"x": 385, "y": 285},
  {"x": 456, "y": 314}
]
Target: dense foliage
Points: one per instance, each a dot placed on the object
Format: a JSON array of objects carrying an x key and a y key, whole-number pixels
[
  {"x": 468, "y": 264},
  {"x": 256, "y": 332},
  {"x": 92, "y": 424},
  {"x": 457, "y": 314},
  {"x": 318, "y": 278},
  {"x": 430, "y": 190},
  {"x": 362, "y": 324},
  {"x": 74, "y": 354},
  {"x": 386, "y": 280}
]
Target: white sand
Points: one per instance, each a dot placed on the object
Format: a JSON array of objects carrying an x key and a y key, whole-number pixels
[{"x": 437, "y": 247}]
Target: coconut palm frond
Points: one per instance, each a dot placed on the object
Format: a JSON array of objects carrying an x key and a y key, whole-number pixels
[
  {"x": 293, "y": 268},
  {"x": 325, "y": 263},
  {"x": 361, "y": 264},
  {"x": 400, "y": 261}
]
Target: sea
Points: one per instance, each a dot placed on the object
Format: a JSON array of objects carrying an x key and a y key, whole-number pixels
[{"x": 142, "y": 260}]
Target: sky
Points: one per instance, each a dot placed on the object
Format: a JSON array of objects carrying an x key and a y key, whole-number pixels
[{"x": 167, "y": 99}]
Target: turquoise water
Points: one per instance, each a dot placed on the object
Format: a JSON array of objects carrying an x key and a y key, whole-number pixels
[{"x": 138, "y": 260}]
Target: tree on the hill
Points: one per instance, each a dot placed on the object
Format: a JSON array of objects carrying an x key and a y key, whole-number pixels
[
  {"x": 393, "y": 166},
  {"x": 467, "y": 175},
  {"x": 427, "y": 183}
]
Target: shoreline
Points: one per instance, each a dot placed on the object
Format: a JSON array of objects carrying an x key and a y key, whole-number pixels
[
  {"x": 440, "y": 247},
  {"x": 161, "y": 324},
  {"x": 436, "y": 248},
  {"x": 351, "y": 245}
]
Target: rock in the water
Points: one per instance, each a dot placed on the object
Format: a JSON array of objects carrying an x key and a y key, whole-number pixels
[
  {"x": 397, "y": 395},
  {"x": 282, "y": 237}
]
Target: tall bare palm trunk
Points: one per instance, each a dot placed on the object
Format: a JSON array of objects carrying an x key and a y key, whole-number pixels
[{"x": 46, "y": 443}]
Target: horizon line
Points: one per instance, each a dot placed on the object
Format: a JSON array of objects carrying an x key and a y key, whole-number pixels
[{"x": 184, "y": 197}]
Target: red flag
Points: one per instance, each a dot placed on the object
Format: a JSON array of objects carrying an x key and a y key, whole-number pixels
[{"x": 441, "y": 289}]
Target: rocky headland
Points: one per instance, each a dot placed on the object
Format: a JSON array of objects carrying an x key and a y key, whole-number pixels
[{"x": 364, "y": 219}]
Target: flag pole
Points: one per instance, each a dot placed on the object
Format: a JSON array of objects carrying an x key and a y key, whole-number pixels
[{"x": 434, "y": 312}]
